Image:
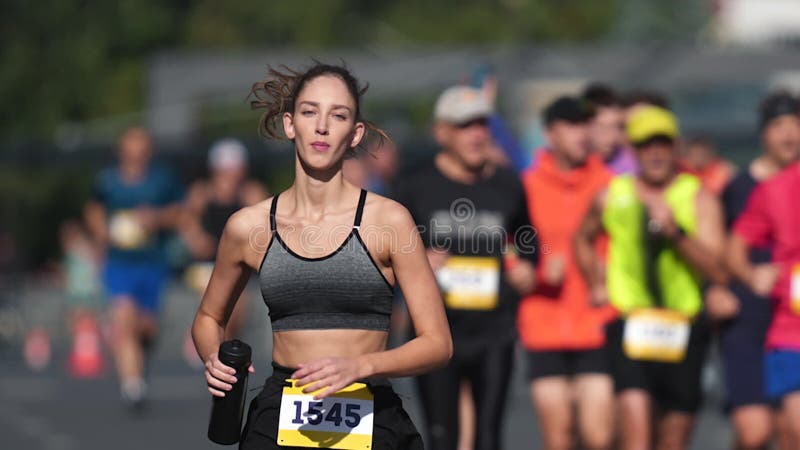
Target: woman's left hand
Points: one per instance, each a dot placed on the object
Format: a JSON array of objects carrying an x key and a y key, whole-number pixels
[{"x": 332, "y": 374}]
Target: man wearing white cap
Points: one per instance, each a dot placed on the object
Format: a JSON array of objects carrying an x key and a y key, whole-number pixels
[
  {"x": 467, "y": 210},
  {"x": 209, "y": 205}
]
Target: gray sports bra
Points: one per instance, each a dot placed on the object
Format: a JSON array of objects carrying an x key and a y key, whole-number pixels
[{"x": 342, "y": 290}]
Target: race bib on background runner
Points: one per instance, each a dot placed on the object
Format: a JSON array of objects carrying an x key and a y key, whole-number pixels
[
  {"x": 197, "y": 276},
  {"x": 126, "y": 232},
  {"x": 470, "y": 282},
  {"x": 794, "y": 290},
  {"x": 343, "y": 420},
  {"x": 656, "y": 335}
]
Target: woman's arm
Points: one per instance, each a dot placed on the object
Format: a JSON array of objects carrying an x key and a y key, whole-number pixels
[
  {"x": 229, "y": 278},
  {"x": 430, "y": 349},
  {"x": 433, "y": 346}
]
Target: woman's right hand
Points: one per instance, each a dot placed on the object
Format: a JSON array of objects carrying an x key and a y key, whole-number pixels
[{"x": 220, "y": 377}]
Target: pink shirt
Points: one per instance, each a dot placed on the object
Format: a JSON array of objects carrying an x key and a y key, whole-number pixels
[{"x": 772, "y": 218}]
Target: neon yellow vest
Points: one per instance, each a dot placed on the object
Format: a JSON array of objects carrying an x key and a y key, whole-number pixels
[{"x": 623, "y": 218}]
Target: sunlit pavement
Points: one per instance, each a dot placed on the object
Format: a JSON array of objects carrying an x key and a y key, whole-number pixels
[{"x": 51, "y": 411}]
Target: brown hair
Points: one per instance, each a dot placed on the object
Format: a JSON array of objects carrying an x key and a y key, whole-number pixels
[{"x": 278, "y": 94}]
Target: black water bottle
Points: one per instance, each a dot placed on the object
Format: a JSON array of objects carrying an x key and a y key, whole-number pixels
[{"x": 225, "y": 425}]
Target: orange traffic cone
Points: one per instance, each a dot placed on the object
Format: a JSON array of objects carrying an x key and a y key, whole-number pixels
[{"x": 86, "y": 357}]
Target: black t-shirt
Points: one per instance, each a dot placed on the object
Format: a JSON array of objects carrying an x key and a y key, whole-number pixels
[
  {"x": 474, "y": 220},
  {"x": 215, "y": 216},
  {"x": 735, "y": 195},
  {"x": 734, "y": 201}
]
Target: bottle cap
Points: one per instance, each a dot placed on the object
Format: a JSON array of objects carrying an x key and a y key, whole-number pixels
[{"x": 235, "y": 353}]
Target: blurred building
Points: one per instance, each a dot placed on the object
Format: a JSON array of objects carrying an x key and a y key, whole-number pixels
[
  {"x": 713, "y": 90},
  {"x": 758, "y": 22}
]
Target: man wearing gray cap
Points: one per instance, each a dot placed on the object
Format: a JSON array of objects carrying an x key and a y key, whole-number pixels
[{"x": 467, "y": 210}]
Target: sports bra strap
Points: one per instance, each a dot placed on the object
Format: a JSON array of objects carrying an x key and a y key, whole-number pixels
[
  {"x": 272, "y": 209},
  {"x": 360, "y": 209}
]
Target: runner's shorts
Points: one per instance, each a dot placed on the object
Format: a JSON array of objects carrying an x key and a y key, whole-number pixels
[
  {"x": 673, "y": 386},
  {"x": 741, "y": 342},
  {"x": 392, "y": 427},
  {"x": 141, "y": 281},
  {"x": 782, "y": 373},
  {"x": 558, "y": 363}
]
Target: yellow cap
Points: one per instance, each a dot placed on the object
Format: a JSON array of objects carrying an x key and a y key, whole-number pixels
[{"x": 650, "y": 121}]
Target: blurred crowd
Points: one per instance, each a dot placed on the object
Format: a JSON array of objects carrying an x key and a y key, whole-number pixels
[{"x": 650, "y": 246}]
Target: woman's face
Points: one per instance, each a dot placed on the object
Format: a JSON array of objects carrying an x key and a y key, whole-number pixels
[{"x": 323, "y": 124}]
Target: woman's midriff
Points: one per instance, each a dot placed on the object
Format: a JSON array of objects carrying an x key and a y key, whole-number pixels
[{"x": 292, "y": 348}]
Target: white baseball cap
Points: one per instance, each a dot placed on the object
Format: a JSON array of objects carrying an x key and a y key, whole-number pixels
[
  {"x": 461, "y": 104},
  {"x": 227, "y": 153}
]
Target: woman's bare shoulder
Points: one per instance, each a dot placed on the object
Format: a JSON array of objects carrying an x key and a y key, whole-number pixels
[
  {"x": 385, "y": 211},
  {"x": 249, "y": 221},
  {"x": 387, "y": 217}
]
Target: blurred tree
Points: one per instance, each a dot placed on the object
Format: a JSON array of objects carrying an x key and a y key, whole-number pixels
[
  {"x": 311, "y": 23},
  {"x": 481, "y": 22},
  {"x": 321, "y": 23},
  {"x": 72, "y": 60},
  {"x": 76, "y": 60},
  {"x": 656, "y": 21}
]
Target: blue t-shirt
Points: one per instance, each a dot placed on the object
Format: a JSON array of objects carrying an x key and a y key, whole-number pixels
[{"x": 129, "y": 242}]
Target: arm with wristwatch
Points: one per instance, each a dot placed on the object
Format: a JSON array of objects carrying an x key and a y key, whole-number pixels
[{"x": 704, "y": 251}]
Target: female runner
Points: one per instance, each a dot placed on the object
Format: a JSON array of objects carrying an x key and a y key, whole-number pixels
[{"x": 327, "y": 255}]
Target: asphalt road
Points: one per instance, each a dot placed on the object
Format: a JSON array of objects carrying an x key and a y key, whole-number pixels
[{"x": 51, "y": 411}]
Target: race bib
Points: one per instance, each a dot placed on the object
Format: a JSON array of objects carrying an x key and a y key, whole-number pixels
[
  {"x": 795, "y": 289},
  {"x": 470, "y": 282},
  {"x": 342, "y": 420},
  {"x": 656, "y": 335},
  {"x": 198, "y": 275},
  {"x": 125, "y": 231}
]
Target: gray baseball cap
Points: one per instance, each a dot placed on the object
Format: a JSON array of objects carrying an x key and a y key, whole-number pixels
[{"x": 461, "y": 104}]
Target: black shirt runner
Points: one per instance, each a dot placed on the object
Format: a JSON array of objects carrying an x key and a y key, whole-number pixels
[{"x": 474, "y": 220}]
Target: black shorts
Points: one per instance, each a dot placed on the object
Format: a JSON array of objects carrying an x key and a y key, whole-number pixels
[
  {"x": 392, "y": 428},
  {"x": 742, "y": 349},
  {"x": 673, "y": 386},
  {"x": 560, "y": 363}
]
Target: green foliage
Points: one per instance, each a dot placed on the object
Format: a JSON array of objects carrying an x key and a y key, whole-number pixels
[
  {"x": 481, "y": 22},
  {"x": 64, "y": 61},
  {"x": 32, "y": 212},
  {"x": 71, "y": 61}
]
